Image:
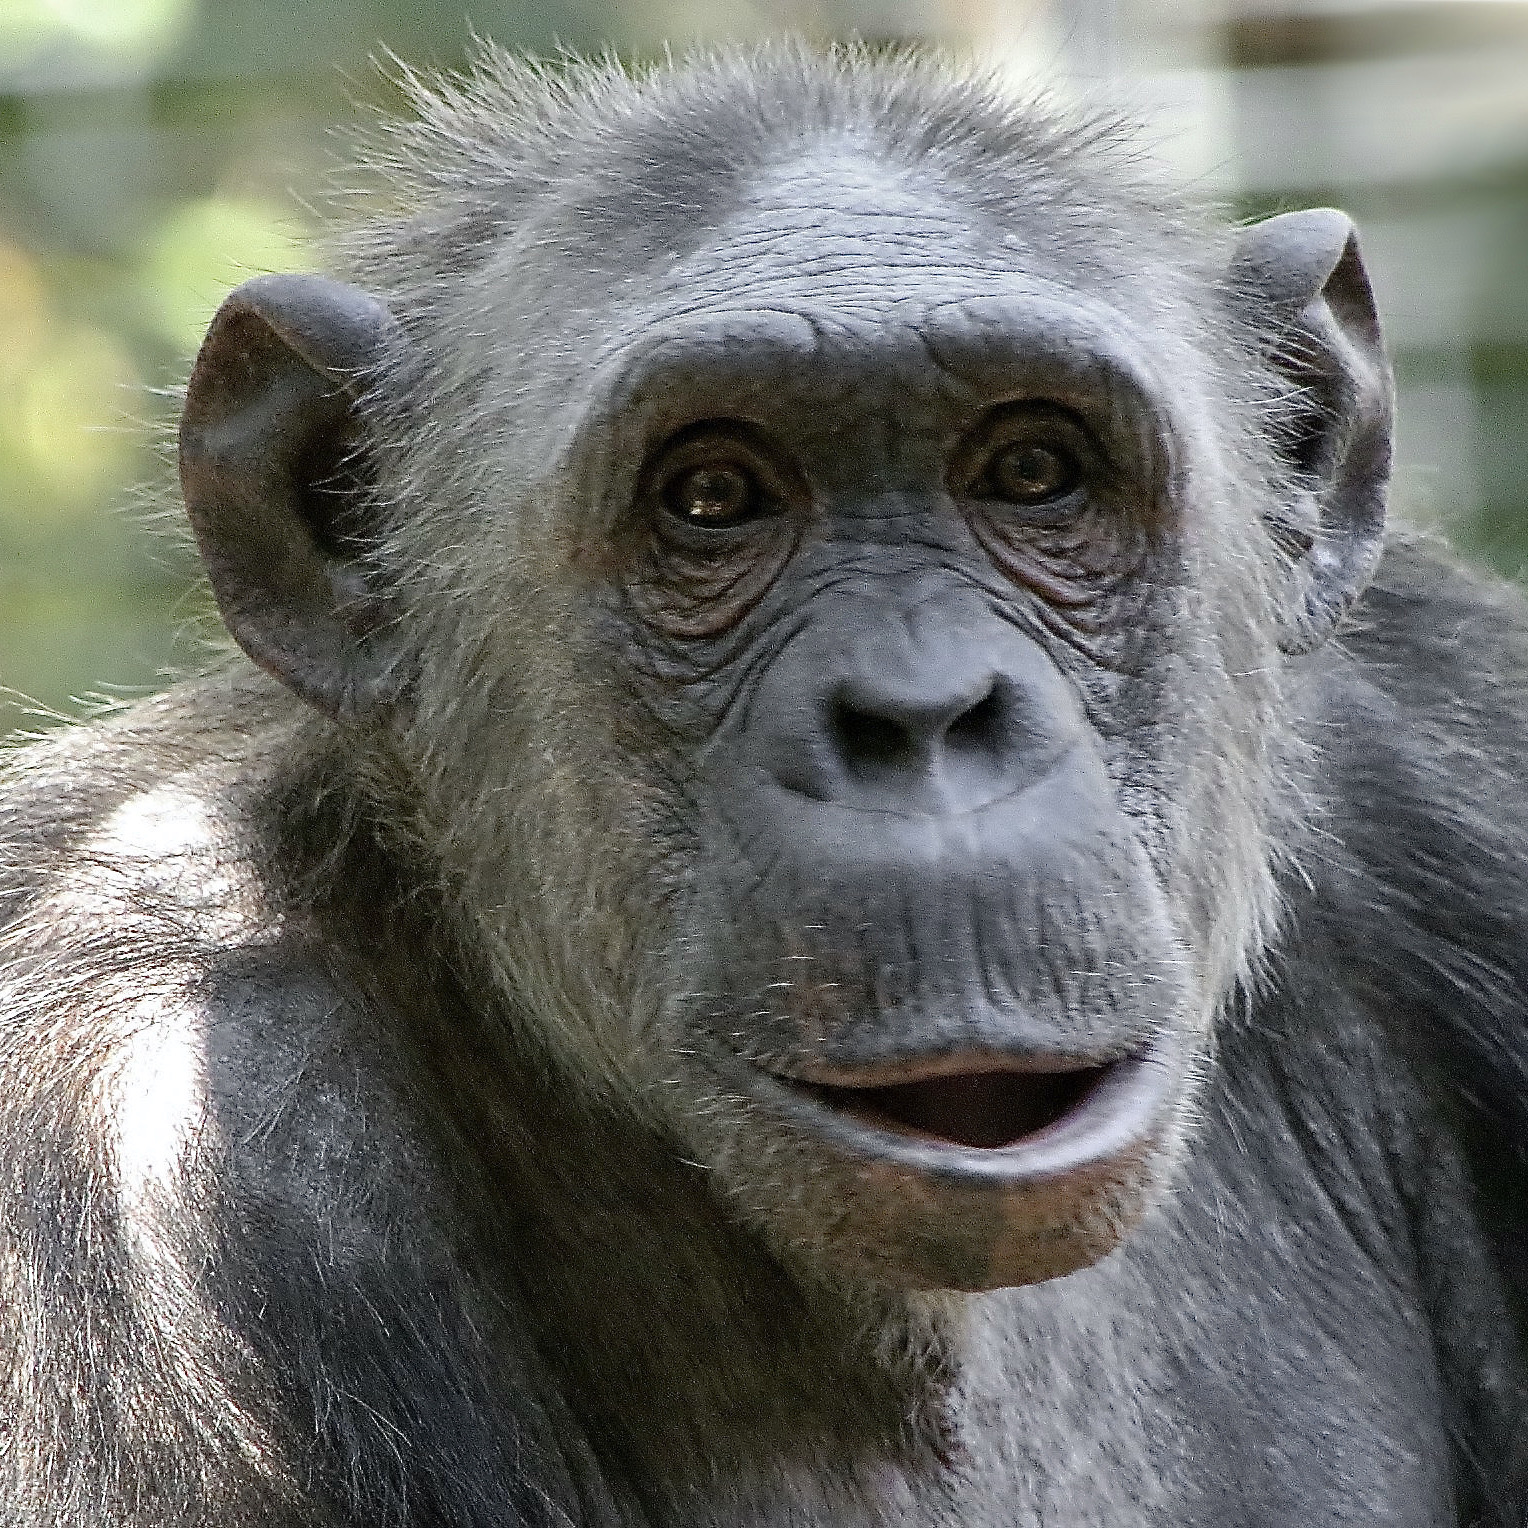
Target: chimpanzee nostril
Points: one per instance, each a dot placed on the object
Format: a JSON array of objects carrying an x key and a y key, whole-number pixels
[
  {"x": 980, "y": 729},
  {"x": 870, "y": 744}
]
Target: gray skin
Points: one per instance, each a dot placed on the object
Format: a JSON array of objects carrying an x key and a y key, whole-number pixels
[{"x": 844, "y": 898}]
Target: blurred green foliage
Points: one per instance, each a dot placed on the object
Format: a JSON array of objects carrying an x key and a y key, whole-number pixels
[{"x": 155, "y": 152}]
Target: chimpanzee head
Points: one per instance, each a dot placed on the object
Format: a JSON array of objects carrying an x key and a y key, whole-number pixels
[{"x": 824, "y": 544}]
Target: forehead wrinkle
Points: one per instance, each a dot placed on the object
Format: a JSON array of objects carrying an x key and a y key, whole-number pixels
[
  {"x": 856, "y": 185},
  {"x": 852, "y": 224},
  {"x": 838, "y": 261}
]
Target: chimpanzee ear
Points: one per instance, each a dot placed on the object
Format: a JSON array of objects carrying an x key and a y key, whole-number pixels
[
  {"x": 274, "y": 466},
  {"x": 1303, "y": 272}
]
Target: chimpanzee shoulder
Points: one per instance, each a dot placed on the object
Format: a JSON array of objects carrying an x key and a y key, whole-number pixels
[
  {"x": 216, "y": 980},
  {"x": 1413, "y": 883}
]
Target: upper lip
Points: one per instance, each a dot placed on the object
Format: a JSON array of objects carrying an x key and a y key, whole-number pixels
[{"x": 899, "y": 1071}]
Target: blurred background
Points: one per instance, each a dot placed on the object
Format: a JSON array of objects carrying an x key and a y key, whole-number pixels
[{"x": 153, "y": 153}]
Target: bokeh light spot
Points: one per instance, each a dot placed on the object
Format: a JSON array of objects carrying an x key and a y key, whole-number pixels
[
  {"x": 71, "y": 415},
  {"x": 25, "y": 313},
  {"x": 132, "y": 25},
  {"x": 26, "y": 27},
  {"x": 203, "y": 250}
]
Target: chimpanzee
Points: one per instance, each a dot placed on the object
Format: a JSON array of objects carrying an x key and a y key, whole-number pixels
[{"x": 844, "y": 889}]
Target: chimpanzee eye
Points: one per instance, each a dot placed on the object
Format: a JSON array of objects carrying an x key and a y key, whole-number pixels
[
  {"x": 713, "y": 495},
  {"x": 1030, "y": 472}
]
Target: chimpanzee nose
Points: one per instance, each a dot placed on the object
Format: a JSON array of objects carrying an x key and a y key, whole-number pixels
[
  {"x": 915, "y": 723},
  {"x": 937, "y": 716},
  {"x": 933, "y": 710}
]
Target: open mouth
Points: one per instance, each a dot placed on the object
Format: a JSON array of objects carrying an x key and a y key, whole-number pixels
[
  {"x": 1001, "y": 1117},
  {"x": 988, "y": 1109}
]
